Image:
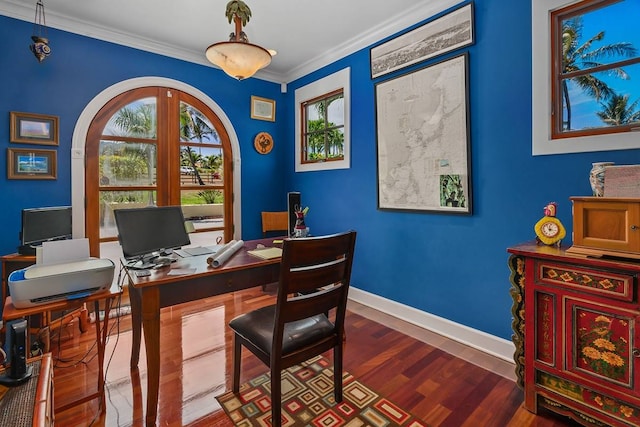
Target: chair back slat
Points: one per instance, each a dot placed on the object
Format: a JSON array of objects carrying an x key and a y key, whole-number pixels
[
  {"x": 302, "y": 281},
  {"x": 303, "y": 306},
  {"x": 317, "y": 270}
]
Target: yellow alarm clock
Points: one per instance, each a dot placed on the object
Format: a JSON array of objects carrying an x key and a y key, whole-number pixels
[{"x": 549, "y": 230}]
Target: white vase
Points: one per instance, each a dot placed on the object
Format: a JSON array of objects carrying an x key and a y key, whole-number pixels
[{"x": 596, "y": 177}]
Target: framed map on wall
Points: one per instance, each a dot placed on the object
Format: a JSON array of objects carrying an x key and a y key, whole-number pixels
[{"x": 422, "y": 127}]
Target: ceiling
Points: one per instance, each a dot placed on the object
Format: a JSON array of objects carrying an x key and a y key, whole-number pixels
[{"x": 306, "y": 34}]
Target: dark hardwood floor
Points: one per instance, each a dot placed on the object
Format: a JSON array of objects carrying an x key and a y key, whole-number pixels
[{"x": 442, "y": 382}]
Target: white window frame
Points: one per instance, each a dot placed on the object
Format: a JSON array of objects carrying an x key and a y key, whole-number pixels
[
  {"x": 330, "y": 83},
  {"x": 542, "y": 143}
]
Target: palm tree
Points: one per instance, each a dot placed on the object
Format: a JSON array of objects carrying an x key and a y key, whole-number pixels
[
  {"x": 617, "y": 111},
  {"x": 190, "y": 157},
  {"x": 139, "y": 122},
  {"x": 213, "y": 162},
  {"x": 576, "y": 57},
  {"x": 324, "y": 143},
  {"x": 193, "y": 126}
]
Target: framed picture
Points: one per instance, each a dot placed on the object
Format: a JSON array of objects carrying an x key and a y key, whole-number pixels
[
  {"x": 422, "y": 127},
  {"x": 30, "y": 128},
  {"x": 444, "y": 34},
  {"x": 263, "y": 109},
  {"x": 31, "y": 164}
]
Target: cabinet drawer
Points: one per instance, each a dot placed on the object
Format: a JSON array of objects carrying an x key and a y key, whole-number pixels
[
  {"x": 598, "y": 282},
  {"x": 581, "y": 397}
]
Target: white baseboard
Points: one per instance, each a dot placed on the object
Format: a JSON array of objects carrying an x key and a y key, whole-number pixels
[{"x": 474, "y": 338}]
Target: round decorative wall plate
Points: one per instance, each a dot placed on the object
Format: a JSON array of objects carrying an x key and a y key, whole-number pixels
[{"x": 263, "y": 143}]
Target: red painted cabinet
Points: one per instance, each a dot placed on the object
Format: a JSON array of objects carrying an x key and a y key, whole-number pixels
[{"x": 577, "y": 333}]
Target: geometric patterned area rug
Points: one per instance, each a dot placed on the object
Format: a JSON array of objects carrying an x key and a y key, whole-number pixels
[{"x": 307, "y": 400}]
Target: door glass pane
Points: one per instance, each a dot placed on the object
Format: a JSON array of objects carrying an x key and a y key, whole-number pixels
[
  {"x": 204, "y": 208},
  {"x": 137, "y": 119},
  {"x": 112, "y": 200},
  {"x": 201, "y": 165},
  {"x": 195, "y": 127},
  {"x": 127, "y": 163}
]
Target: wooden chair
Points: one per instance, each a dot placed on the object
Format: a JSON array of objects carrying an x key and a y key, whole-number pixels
[
  {"x": 275, "y": 221},
  {"x": 296, "y": 328}
]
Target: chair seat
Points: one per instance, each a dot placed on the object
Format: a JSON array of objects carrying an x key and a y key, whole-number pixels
[{"x": 257, "y": 327}]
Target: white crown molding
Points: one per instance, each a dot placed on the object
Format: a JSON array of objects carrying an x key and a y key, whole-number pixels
[
  {"x": 474, "y": 338},
  {"x": 24, "y": 12}
]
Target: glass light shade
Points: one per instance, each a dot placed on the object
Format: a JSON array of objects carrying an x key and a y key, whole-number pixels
[{"x": 238, "y": 59}]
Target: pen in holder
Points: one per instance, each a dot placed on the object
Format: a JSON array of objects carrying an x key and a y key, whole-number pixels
[{"x": 300, "y": 229}]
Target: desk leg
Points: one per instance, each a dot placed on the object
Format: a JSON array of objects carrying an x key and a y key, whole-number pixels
[
  {"x": 101, "y": 340},
  {"x": 151, "y": 325},
  {"x": 135, "y": 300}
]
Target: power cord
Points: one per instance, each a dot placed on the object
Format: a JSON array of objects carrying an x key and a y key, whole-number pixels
[{"x": 90, "y": 354}]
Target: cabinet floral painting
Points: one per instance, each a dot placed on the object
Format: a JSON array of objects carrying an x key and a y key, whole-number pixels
[{"x": 603, "y": 345}]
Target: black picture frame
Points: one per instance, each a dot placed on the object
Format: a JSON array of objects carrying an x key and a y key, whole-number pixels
[
  {"x": 423, "y": 139},
  {"x": 436, "y": 37}
]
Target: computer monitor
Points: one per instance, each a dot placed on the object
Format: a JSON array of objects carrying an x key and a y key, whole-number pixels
[
  {"x": 43, "y": 225},
  {"x": 147, "y": 233}
]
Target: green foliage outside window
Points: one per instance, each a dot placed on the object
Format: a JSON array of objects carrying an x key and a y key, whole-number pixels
[{"x": 323, "y": 138}]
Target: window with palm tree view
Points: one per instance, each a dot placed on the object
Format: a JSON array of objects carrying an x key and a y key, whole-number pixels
[
  {"x": 323, "y": 133},
  {"x": 595, "y": 68}
]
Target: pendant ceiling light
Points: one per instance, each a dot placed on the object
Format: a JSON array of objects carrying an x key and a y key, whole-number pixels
[
  {"x": 237, "y": 57},
  {"x": 40, "y": 46}
]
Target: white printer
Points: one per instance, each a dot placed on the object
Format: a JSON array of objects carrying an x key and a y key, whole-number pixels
[{"x": 42, "y": 283}]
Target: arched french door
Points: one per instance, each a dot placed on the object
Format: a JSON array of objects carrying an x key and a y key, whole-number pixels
[{"x": 157, "y": 145}]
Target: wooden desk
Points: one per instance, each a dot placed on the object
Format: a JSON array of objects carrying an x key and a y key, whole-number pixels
[
  {"x": 162, "y": 289},
  {"x": 10, "y": 312},
  {"x": 36, "y": 393}
]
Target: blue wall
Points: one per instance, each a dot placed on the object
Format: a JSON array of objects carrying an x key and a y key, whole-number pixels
[
  {"x": 452, "y": 266},
  {"x": 80, "y": 68}
]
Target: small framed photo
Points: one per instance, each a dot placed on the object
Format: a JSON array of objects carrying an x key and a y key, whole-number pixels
[
  {"x": 263, "y": 109},
  {"x": 31, "y": 164},
  {"x": 28, "y": 128}
]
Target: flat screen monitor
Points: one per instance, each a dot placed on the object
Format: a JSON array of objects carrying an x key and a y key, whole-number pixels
[
  {"x": 151, "y": 231},
  {"x": 45, "y": 224}
]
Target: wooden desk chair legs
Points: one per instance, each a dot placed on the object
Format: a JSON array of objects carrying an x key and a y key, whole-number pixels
[{"x": 314, "y": 279}]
